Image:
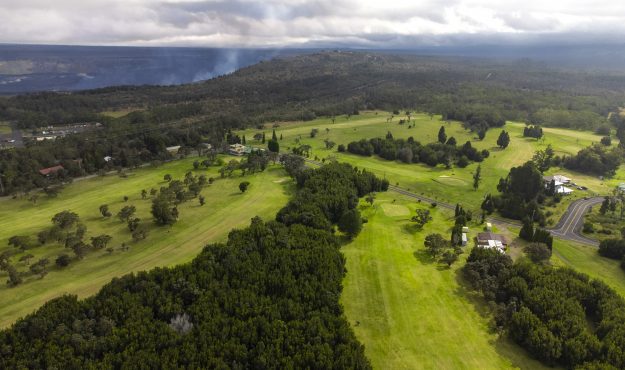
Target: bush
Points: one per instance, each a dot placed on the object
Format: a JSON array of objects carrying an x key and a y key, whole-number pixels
[{"x": 63, "y": 260}]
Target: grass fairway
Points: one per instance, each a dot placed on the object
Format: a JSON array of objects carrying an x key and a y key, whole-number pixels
[
  {"x": 453, "y": 185},
  {"x": 586, "y": 259},
  {"x": 5, "y": 128},
  {"x": 410, "y": 312},
  {"x": 225, "y": 209}
]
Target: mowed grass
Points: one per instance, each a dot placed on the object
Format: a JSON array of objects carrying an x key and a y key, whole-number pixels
[
  {"x": 120, "y": 112},
  {"x": 411, "y": 312},
  {"x": 586, "y": 259},
  {"x": 5, "y": 128},
  {"x": 226, "y": 208},
  {"x": 453, "y": 185}
]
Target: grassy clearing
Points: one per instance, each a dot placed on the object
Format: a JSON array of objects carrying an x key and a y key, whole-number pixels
[
  {"x": 450, "y": 185},
  {"x": 410, "y": 312},
  {"x": 225, "y": 208},
  {"x": 120, "y": 112},
  {"x": 586, "y": 259},
  {"x": 5, "y": 128},
  {"x": 605, "y": 226}
]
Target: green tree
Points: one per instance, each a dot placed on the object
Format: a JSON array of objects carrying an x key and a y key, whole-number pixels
[
  {"x": 162, "y": 211},
  {"x": 442, "y": 136},
  {"x": 274, "y": 137},
  {"x": 263, "y": 138},
  {"x": 63, "y": 260},
  {"x": 65, "y": 219},
  {"x": 477, "y": 177},
  {"x": 350, "y": 223},
  {"x": 421, "y": 217},
  {"x": 167, "y": 177},
  {"x": 527, "y": 230},
  {"x": 435, "y": 244},
  {"x": 449, "y": 257},
  {"x": 503, "y": 140},
  {"x": 273, "y": 146},
  {"x": 538, "y": 252},
  {"x": 243, "y": 186},
  {"x": 125, "y": 213},
  {"x": 100, "y": 241},
  {"x": 202, "y": 200}
]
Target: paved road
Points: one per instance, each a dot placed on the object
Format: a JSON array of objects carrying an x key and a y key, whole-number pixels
[
  {"x": 568, "y": 228},
  {"x": 570, "y": 225}
]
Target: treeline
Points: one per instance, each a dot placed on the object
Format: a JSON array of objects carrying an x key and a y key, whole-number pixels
[
  {"x": 560, "y": 316},
  {"x": 296, "y": 88},
  {"x": 411, "y": 151},
  {"x": 235, "y": 305},
  {"x": 596, "y": 159}
]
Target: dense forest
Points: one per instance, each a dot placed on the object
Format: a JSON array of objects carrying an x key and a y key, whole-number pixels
[
  {"x": 559, "y": 315},
  {"x": 267, "y": 298},
  {"x": 480, "y": 93}
]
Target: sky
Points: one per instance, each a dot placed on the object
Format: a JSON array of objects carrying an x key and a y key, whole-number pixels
[{"x": 314, "y": 23}]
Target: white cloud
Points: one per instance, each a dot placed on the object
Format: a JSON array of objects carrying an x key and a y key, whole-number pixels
[{"x": 298, "y": 22}]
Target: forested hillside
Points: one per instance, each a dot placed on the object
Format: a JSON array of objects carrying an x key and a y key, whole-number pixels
[
  {"x": 268, "y": 298},
  {"x": 480, "y": 93}
]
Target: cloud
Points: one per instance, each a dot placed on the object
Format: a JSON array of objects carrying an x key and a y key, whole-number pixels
[{"x": 277, "y": 23}]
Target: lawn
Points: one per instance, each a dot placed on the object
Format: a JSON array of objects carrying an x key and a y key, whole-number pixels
[
  {"x": 586, "y": 259},
  {"x": 409, "y": 311},
  {"x": 5, "y": 128},
  {"x": 120, "y": 112},
  {"x": 449, "y": 185},
  {"x": 225, "y": 208}
]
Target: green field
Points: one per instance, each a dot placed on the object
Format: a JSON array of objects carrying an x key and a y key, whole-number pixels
[
  {"x": 448, "y": 185},
  {"x": 410, "y": 312},
  {"x": 225, "y": 209},
  {"x": 5, "y": 128},
  {"x": 605, "y": 226}
]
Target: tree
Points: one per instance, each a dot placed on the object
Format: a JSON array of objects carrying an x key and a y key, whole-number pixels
[
  {"x": 481, "y": 133},
  {"x": 477, "y": 177},
  {"x": 273, "y": 146},
  {"x": 503, "y": 140},
  {"x": 538, "y": 252},
  {"x": 442, "y": 136},
  {"x": 605, "y": 206},
  {"x": 243, "y": 141},
  {"x": 606, "y": 141},
  {"x": 263, "y": 138},
  {"x": 527, "y": 231},
  {"x": 202, "y": 200},
  {"x": 435, "y": 244},
  {"x": 196, "y": 164},
  {"x": 144, "y": 194},
  {"x": 329, "y": 144},
  {"x": 162, "y": 211},
  {"x": 100, "y": 241},
  {"x": 14, "y": 276},
  {"x": 65, "y": 219},
  {"x": 350, "y": 223},
  {"x": 26, "y": 258},
  {"x": 139, "y": 234},
  {"x": 451, "y": 141},
  {"x": 63, "y": 260},
  {"x": 167, "y": 177},
  {"x": 370, "y": 198},
  {"x": 126, "y": 213},
  {"x": 449, "y": 257},
  {"x": 421, "y": 217},
  {"x": 273, "y": 135},
  {"x": 133, "y": 224},
  {"x": 243, "y": 186},
  {"x": 126, "y": 198}
]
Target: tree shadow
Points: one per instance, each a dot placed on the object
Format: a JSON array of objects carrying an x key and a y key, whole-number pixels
[{"x": 424, "y": 257}]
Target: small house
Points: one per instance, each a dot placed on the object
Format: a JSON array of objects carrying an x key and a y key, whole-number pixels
[
  {"x": 561, "y": 189},
  {"x": 491, "y": 240},
  {"x": 237, "y": 149},
  {"x": 50, "y": 170},
  {"x": 173, "y": 149}
]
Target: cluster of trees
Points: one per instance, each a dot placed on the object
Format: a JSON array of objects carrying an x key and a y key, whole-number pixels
[
  {"x": 533, "y": 131},
  {"x": 521, "y": 193},
  {"x": 596, "y": 159},
  {"x": 66, "y": 230},
  {"x": 477, "y": 120},
  {"x": 411, "y": 151},
  {"x": 535, "y": 235},
  {"x": 558, "y": 315},
  {"x": 271, "y": 283},
  {"x": 441, "y": 249}
]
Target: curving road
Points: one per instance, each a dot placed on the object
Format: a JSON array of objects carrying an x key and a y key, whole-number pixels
[
  {"x": 568, "y": 228},
  {"x": 570, "y": 225}
]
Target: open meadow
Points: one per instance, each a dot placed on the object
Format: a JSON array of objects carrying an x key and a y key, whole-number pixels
[
  {"x": 226, "y": 208},
  {"x": 410, "y": 311},
  {"x": 448, "y": 185}
]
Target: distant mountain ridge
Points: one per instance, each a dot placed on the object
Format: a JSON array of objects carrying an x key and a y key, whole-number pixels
[{"x": 31, "y": 68}]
